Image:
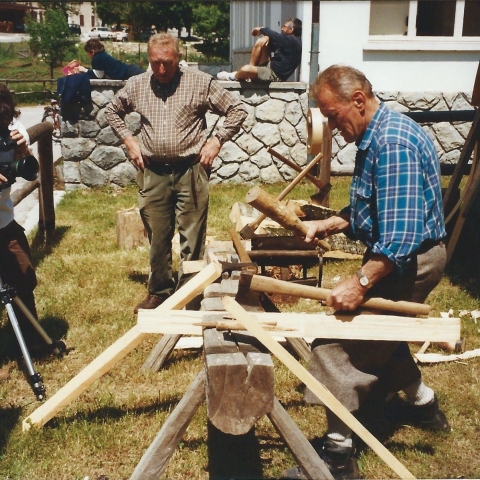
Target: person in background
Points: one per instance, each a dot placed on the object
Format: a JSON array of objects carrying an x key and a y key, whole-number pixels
[
  {"x": 173, "y": 154},
  {"x": 104, "y": 65},
  {"x": 15, "y": 258},
  {"x": 396, "y": 211},
  {"x": 274, "y": 57}
]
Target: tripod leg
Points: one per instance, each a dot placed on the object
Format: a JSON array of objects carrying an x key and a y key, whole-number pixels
[
  {"x": 34, "y": 377},
  {"x": 58, "y": 347}
]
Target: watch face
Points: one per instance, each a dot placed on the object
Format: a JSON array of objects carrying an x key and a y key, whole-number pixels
[{"x": 363, "y": 281}]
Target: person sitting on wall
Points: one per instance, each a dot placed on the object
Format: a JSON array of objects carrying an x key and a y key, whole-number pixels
[
  {"x": 274, "y": 57},
  {"x": 104, "y": 65}
]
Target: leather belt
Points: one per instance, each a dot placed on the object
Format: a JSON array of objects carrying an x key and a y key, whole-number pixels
[{"x": 171, "y": 167}]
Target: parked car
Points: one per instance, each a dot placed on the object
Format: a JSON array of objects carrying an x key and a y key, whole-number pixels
[
  {"x": 121, "y": 35},
  {"x": 103, "y": 33},
  {"x": 75, "y": 28}
]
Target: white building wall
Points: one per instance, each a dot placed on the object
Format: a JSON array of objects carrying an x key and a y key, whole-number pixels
[
  {"x": 402, "y": 66},
  {"x": 393, "y": 63}
]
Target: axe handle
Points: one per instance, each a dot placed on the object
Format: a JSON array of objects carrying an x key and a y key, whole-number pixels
[
  {"x": 277, "y": 211},
  {"x": 286, "y": 190},
  {"x": 259, "y": 283},
  {"x": 316, "y": 181}
]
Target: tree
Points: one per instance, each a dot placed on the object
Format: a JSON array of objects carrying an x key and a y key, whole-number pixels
[
  {"x": 51, "y": 39},
  {"x": 212, "y": 23}
]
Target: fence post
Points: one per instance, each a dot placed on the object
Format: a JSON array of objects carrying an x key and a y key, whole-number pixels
[{"x": 42, "y": 133}]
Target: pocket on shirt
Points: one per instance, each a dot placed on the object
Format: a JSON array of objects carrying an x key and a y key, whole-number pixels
[
  {"x": 184, "y": 116},
  {"x": 362, "y": 210}
]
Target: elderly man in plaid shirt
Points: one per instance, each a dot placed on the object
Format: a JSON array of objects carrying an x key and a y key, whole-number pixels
[
  {"x": 173, "y": 153},
  {"x": 396, "y": 211}
]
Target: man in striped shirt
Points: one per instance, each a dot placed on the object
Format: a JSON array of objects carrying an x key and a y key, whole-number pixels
[
  {"x": 173, "y": 153},
  {"x": 396, "y": 211}
]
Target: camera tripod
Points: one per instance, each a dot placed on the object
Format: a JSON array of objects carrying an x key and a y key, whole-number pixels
[{"x": 7, "y": 295}]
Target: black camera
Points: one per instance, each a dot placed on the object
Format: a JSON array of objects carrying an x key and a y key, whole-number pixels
[{"x": 27, "y": 167}]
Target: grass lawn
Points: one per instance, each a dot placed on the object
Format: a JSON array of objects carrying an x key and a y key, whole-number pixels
[{"x": 86, "y": 294}]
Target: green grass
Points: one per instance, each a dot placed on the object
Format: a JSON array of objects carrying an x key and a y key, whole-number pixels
[{"x": 86, "y": 293}]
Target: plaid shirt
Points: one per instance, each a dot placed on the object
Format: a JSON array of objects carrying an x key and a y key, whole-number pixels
[
  {"x": 395, "y": 197},
  {"x": 173, "y": 124}
]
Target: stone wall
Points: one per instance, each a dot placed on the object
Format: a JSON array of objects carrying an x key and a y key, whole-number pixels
[{"x": 94, "y": 156}]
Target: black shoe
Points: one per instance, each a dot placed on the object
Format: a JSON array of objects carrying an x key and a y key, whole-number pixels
[
  {"x": 339, "y": 460},
  {"x": 149, "y": 303},
  {"x": 427, "y": 417}
]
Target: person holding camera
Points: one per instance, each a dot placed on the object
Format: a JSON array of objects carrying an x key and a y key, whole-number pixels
[{"x": 16, "y": 265}]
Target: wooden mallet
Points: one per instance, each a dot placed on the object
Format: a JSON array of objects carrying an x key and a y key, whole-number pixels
[{"x": 277, "y": 211}]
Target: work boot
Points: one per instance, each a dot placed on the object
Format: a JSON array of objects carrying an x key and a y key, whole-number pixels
[
  {"x": 149, "y": 303},
  {"x": 339, "y": 460},
  {"x": 427, "y": 417}
]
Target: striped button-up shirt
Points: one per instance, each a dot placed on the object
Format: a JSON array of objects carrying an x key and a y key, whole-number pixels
[
  {"x": 395, "y": 196},
  {"x": 173, "y": 124}
]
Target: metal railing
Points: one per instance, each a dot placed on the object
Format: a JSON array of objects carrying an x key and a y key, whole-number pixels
[{"x": 41, "y": 133}]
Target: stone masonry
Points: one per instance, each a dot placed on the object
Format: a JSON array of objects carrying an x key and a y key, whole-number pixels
[{"x": 94, "y": 156}]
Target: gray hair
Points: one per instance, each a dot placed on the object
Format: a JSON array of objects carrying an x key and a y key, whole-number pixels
[
  {"x": 164, "y": 40},
  {"x": 342, "y": 81}
]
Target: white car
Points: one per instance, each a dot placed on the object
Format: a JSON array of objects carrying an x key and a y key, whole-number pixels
[
  {"x": 102, "y": 33},
  {"x": 121, "y": 35}
]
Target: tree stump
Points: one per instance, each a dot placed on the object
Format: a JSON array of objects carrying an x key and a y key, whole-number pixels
[{"x": 130, "y": 230}]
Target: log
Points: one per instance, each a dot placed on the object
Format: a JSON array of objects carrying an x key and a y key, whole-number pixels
[
  {"x": 279, "y": 212},
  {"x": 113, "y": 354},
  {"x": 240, "y": 387},
  {"x": 260, "y": 283},
  {"x": 316, "y": 325},
  {"x": 130, "y": 230},
  {"x": 156, "y": 458},
  {"x": 316, "y": 387}
]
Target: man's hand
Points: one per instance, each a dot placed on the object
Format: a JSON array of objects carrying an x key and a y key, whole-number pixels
[
  {"x": 347, "y": 295},
  {"x": 208, "y": 152},
  {"x": 134, "y": 152},
  {"x": 22, "y": 145},
  {"x": 324, "y": 228}
]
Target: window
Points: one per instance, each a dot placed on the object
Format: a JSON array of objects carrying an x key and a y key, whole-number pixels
[
  {"x": 82, "y": 21},
  {"x": 92, "y": 20},
  {"x": 425, "y": 18}
]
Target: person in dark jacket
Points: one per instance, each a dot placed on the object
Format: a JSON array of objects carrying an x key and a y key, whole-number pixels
[
  {"x": 274, "y": 57},
  {"x": 104, "y": 65}
]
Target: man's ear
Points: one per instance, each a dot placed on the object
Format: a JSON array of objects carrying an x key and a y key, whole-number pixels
[{"x": 359, "y": 100}]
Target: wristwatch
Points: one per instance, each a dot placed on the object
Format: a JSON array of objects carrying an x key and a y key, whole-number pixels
[{"x": 363, "y": 279}]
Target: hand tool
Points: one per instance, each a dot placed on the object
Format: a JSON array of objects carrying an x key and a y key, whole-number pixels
[
  {"x": 276, "y": 210},
  {"x": 323, "y": 188},
  {"x": 259, "y": 283},
  {"x": 248, "y": 231}
]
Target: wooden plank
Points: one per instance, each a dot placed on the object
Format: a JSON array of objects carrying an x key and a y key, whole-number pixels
[
  {"x": 156, "y": 458},
  {"x": 317, "y": 325},
  {"x": 316, "y": 387},
  {"x": 191, "y": 289},
  {"x": 302, "y": 450},
  {"x": 113, "y": 354},
  {"x": 240, "y": 388}
]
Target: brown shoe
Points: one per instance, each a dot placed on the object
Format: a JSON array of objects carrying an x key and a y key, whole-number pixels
[
  {"x": 149, "y": 303},
  {"x": 4, "y": 375}
]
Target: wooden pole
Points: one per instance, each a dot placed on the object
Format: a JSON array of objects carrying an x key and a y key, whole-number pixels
[
  {"x": 113, "y": 354},
  {"x": 316, "y": 387},
  {"x": 259, "y": 283}
]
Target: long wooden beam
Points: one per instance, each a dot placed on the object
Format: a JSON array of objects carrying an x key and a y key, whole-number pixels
[
  {"x": 113, "y": 354},
  {"x": 316, "y": 387},
  {"x": 313, "y": 325}
]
